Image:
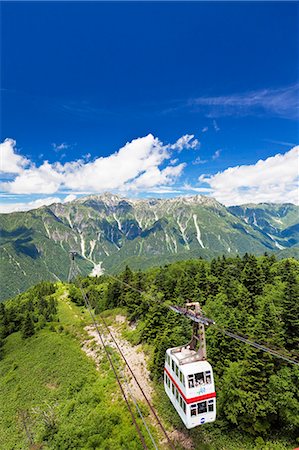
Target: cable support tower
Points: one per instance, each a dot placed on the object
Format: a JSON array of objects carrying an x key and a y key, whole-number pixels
[{"x": 72, "y": 272}]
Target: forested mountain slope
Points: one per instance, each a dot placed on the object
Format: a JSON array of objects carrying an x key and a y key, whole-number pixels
[
  {"x": 108, "y": 232},
  {"x": 279, "y": 222},
  {"x": 254, "y": 297},
  {"x": 257, "y": 394}
]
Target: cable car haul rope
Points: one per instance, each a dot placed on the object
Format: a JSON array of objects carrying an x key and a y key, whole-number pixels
[
  {"x": 73, "y": 273},
  {"x": 188, "y": 377}
]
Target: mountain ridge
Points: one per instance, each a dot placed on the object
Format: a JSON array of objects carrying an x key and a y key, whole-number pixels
[{"x": 108, "y": 230}]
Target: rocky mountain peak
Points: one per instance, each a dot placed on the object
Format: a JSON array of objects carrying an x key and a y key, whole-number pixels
[{"x": 111, "y": 199}]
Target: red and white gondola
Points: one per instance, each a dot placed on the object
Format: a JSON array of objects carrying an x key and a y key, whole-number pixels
[{"x": 189, "y": 384}]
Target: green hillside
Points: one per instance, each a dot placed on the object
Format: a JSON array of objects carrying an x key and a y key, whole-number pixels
[
  {"x": 257, "y": 394},
  {"x": 276, "y": 221},
  {"x": 52, "y": 395},
  {"x": 109, "y": 232}
]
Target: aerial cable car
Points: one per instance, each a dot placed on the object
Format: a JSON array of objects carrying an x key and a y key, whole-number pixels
[{"x": 188, "y": 377}]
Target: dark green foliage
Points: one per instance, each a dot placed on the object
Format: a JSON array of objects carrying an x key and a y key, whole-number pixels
[
  {"x": 1, "y": 348},
  {"x": 291, "y": 306},
  {"x": 27, "y": 326},
  {"x": 43, "y": 289},
  {"x": 76, "y": 295},
  {"x": 4, "y": 321},
  {"x": 284, "y": 388},
  {"x": 255, "y": 297},
  {"x": 114, "y": 294},
  {"x": 252, "y": 276},
  {"x": 29, "y": 311}
]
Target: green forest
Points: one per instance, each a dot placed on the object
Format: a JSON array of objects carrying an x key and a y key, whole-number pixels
[{"x": 256, "y": 297}]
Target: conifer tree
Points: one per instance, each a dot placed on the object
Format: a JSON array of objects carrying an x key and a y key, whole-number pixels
[
  {"x": 252, "y": 277},
  {"x": 127, "y": 281},
  {"x": 266, "y": 265},
  {"x": 290, "y": 313},
  {"x": 113, "y": 294},
  {"x": 268, "y": 326},
  {"x": 28, "y": 327}
]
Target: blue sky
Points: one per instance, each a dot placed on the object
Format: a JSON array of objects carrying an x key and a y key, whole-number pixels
[{"x": 80, "y": 80}]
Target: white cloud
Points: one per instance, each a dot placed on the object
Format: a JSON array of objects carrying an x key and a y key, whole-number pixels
[
  {"x": 216, "y": 154},
  {"x": 185, "y": 142},
  {"x": 156, "y": 177},
  {"x": 70, "y": 198},
  {"x": 59, "y": 147},
  {"x": 205, "y": 129},
  {"x": 45, "y": 179},
  {"x": 165, "y": 190},
  {"x": 10, "y": 161},
  {"x": 26, "y": 206},
  {"x": 135, "y": 166},
  {"x": 198, "y": 160},
  {"x": 215, "y": 125},
  {"x": 13, "y": 207},
  {"x": 274, "y": 180},
  {"x": 189, "y": 187},
  {"x": 282, "y": 102}
]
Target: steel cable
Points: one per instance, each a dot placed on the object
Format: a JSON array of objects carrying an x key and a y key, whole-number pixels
[
  {"x": 228, "y": 333},
  {"x": 76, "y": 272},
  {"x": 73, "y": 273},
  {"x": 142, "y": 391}
]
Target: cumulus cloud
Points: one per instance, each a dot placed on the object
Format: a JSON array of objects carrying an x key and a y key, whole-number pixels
[
  {"x": 185, "y": 142},
  {"x": 274, "y": 180},
  {"x": 44, "y": 179},
  {"x": 10, "y": 160},
  {"x": 156, "y": 177},
  {"x": 14, "y": 207},
  {"x": 135, "y": 166}
]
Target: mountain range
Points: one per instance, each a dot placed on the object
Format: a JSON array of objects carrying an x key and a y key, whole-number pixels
[{"x": 108, "y": 232}]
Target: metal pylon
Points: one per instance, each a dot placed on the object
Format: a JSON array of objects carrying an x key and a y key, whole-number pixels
[
  {"x": 73, "y": 272},
  {"x": 198, "y": 340}
]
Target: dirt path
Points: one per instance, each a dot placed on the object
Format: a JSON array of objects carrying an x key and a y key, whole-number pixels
[
  {"x": 137, "y": 360},
  {"x": 134, "y": 355}
]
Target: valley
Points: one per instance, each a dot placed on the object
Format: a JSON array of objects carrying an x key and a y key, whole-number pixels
[{"x": 108, "y": 232}]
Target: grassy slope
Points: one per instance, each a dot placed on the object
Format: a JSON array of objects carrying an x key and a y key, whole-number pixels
[{"x": 49, "y": 372}]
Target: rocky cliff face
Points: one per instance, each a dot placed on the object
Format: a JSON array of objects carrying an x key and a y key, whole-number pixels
[{"x": 108, "y": 231}]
